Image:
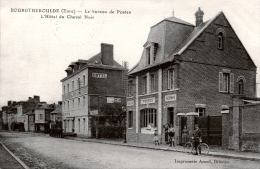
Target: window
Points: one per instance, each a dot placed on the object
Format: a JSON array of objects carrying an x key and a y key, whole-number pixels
[
  {"x": 68, "y": 88},
  {"x": 201, "y": 111},
  {"x": 130, "y": 88},
  {"x": 148, "y": 118},
  {"x": 64, "y": 91},
  {"x": 240, "y": 86},
  {"x": 148, "y": 56},
  {"x": 144, "y": 85},
  {"x": 226, "y": 82},
  {"x": 171, "y": 79},
  {"x": 84, "y": 81},
  {"x": 221, "y": 34},
  {"x": 130, "y": 119},
  {"x": 68, "y": 105},
  {"x": 84, "y": 99},
  {"x": 78, "y": 103},
  {"x": 72, "y": 85},
  {"x": 40, "y": 116},
  {"x": 73, "y": 105},
  {"x": 79, "y": 124},
  {"x": 152, "y": 83},
  {"x": 220, "y": 40}
]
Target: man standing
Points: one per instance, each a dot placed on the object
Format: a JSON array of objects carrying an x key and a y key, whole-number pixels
[{"x": 197, "y": 138}]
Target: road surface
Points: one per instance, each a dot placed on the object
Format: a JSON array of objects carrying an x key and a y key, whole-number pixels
[{"x": 49, "y": 152}]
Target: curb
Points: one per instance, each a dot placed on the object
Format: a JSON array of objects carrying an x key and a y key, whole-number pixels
[
  {"x": 16, "y": 158},
  {"x": 166, "y": 149}
]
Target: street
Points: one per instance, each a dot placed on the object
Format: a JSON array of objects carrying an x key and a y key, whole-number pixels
[{"x": 48, "y": 152}]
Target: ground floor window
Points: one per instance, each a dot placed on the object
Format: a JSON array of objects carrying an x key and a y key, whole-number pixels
[
  {"x": 148, "y": 120},
  {"x": 201, "y": 111}
]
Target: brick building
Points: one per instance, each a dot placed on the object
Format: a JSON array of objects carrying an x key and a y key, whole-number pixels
[
  {"x": 92, "y": 88},
  {"x": 184, "y": 69}
]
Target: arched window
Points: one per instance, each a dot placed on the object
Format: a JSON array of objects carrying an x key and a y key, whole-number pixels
[
  {"x": 220, "y": 40},
  {"x": 221, "y": 34},
  {"x": 241, "y": 83}
]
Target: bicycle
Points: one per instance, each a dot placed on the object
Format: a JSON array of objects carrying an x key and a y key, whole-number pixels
[{"x": 189, "y": 147}]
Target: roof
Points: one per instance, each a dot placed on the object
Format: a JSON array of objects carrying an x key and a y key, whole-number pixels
[
  {"x": 176, "y": 20},
  {"x": 57, "y": 110},
  {"x": 97, "y": 57}
]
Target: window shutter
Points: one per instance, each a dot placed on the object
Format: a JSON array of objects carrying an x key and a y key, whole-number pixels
[
  {"x": 231, "y": 82},
  {"x": 169, "y": 79},
  {"x": 220, "y": 82}
]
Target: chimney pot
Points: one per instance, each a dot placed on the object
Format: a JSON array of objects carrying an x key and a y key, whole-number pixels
[{"x": 199, "y": 17}]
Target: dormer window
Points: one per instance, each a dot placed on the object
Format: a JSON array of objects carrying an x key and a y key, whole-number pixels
[
  {"x": 148, "y": 56},
  {"x": 150, "y": 52}
]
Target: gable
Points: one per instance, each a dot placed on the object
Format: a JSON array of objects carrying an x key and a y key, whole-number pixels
[{"x": 204, "y": 48}]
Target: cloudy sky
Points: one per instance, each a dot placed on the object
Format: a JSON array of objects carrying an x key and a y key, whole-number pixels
[{"x": 36, "y": 51}]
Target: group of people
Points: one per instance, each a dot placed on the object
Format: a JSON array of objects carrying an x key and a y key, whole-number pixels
[{"x": 170, "y": 133}]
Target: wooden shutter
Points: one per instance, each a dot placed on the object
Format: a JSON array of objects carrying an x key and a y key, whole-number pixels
[
  {"x": 220, "y": 81},
  {"x": 231, "y": 82}
]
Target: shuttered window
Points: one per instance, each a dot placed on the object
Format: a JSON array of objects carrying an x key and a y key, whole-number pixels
[
  {"x": 171, "y": 79},
  {"x": 226, "y": 82}
]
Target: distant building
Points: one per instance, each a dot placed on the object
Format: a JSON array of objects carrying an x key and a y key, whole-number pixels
[
  {"x": 184, "y": 69},
  {"x": 92, "y": 88}
]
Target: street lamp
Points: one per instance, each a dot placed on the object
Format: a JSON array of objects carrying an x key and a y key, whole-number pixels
[{"x": 124, "y": 110}]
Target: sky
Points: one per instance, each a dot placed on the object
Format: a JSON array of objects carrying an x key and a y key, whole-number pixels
[{"x": 35, "y": 51}]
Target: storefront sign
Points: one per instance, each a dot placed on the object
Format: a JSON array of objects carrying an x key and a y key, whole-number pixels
[
  {"x": 148, "y": 100},
  {"x": 130, "y": 103},
  {"x": 110, "y": 99},
  {"x": 117, "y": 100},
  {"x": 99, "y": 75},
  {"x": 93, "y": 112},
  {"x": 171, "y": 97}
]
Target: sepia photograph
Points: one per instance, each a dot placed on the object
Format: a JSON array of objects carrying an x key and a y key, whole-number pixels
[{"x": 149, "y": 84}]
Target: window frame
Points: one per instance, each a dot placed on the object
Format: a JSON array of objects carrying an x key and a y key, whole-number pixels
[
  {"x": 229, "y": 83},
  {"x": 152, "y": 83},
  {"x": 170, "y": 79},
  {"x": 144, "y": 85}
]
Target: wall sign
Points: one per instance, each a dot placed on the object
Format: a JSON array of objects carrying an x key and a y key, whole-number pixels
[
  {"x": 110, "y": 99},
  {"x": 171, "y": 97},
  {"x": 93, "y": 112},
  {"x": 117, "y": 100},
  {"x": 130, "y": 103},
  {"x": 99, "y": 75},
  {"x": 148, "y": 100}
]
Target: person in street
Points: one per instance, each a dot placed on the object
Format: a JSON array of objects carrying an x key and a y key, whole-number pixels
[
  {"x": 197, "y": 138},
  {"x": 166, "y": 127},
  {"x": 156, "y": 138},
  {"x": 171, "y": 135},
  {"x": 185, "y": 133}
]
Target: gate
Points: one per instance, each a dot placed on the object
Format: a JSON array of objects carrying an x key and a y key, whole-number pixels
[{"x": 211, "y": 127}]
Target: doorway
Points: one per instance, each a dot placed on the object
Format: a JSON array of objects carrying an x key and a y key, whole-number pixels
[{"x": 170, "y": 115}]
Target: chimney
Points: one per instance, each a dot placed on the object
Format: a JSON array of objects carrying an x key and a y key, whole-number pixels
[
  {"x": 199, "y": 17},
  {"x": 107, "y": 57},
  {"x": 60, "y": 102},
  {"x": 37, "y": 97},
  {"x": 9, "y": 103},
  {"x": 30, "y": 98}
]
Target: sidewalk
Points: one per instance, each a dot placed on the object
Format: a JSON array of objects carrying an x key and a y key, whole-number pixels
[{"x": 214, "y": 151}]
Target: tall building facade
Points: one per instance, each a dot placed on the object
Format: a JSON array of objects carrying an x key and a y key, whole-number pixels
[
  {"x": 92, "y": 88},
  {"x": 184, "y": 69}
]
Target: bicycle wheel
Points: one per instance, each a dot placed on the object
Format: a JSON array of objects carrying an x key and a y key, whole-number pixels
[
  {"x": 204, "y": 148},
  {"x": 188, "y": 147}
]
